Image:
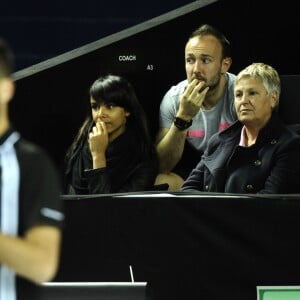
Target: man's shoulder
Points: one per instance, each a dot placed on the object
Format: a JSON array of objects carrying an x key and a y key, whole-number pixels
[
  {"x": 31, "y": 152},
  {"x": 230, "y": 80},
  {"x": 228, "y": 94},
  {"x": 28, "y": 147},
  {"x": 177, "y": 89}
]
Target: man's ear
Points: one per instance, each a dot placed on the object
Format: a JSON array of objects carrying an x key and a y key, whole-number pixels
[
  {"x": 226, "y": 63},
  {"x": 7, "y": 90}
]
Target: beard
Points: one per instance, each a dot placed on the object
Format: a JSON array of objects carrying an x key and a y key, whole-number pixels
[{"x": 213, "y": 84}]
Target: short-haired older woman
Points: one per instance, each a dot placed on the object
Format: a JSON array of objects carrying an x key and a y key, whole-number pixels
[{"x": 258, "y": 153}]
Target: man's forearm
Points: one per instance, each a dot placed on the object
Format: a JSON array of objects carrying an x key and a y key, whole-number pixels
[
  {"x": 30, "y": 257},
  {"x": 170, "y": 149}
]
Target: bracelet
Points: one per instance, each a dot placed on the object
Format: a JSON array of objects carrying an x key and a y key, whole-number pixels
[{"x": 182, "y": 124}]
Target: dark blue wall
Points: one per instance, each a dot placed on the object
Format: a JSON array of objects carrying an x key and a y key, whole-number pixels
[{"x": 38, "y": 30}]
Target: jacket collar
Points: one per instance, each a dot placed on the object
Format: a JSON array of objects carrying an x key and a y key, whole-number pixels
[{"x": 271, "y": 131}]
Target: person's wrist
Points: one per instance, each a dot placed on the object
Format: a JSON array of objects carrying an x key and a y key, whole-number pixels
[{"x": 182, "y": 124}]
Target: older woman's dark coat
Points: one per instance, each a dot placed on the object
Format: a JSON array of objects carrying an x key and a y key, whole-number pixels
[{"x": 270, "y": 166}]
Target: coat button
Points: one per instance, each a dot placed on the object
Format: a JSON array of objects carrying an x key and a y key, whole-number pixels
[
  {"x": 273, "y": 142},
  {"x": 249, "y": 187},
  {"x": 257, "y": 163}
]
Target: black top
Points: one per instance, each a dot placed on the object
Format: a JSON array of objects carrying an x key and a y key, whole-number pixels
[
  {"x": 270, "y": 166},
  {"x": 127, "y": 169},
  {"x": 39, "y": 196}
]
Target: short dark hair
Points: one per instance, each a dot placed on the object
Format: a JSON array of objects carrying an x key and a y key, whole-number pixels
[
  {"x": 207, "y": 29},
  {"x": 6, "y": 58}
]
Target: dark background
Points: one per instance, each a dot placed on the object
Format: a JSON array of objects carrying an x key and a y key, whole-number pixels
[
  {"x": 51, "y": 104},
  {"x": 38, "y": 30}
]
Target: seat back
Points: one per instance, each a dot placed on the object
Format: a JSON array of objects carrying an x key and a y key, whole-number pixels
[{"x": 289, "y": 105}]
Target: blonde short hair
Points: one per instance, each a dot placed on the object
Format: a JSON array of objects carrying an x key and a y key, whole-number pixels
[{"x": 266, "y": 74}]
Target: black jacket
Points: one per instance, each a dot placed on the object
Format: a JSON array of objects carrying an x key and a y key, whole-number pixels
[
  {"x": 127, "y": 170},
  {"x": 270, "y": 166}
]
